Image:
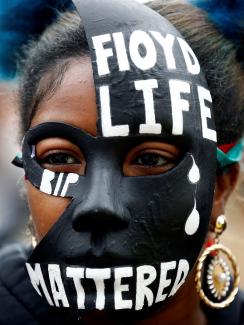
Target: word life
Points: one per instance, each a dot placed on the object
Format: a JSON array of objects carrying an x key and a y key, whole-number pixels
[{"x": 177, "y": 88}]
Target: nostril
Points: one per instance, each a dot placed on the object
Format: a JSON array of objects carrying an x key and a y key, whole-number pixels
[{"x": 96, "y": 219}]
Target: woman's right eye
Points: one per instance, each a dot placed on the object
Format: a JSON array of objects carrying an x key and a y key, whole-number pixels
[
  {"x": 59, "y": 159},
  {"x": 60, "y": 156},
  {"x": 63, "y": 162}
]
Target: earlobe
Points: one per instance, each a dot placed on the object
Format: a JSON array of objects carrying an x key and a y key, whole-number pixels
[{"x": 224, "y": 186}]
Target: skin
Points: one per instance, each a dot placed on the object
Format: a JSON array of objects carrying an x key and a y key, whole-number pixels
[{"x": 74, "y": 103}]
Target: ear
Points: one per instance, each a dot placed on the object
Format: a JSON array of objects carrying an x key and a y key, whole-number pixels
[{"x": 224, "y": 186}]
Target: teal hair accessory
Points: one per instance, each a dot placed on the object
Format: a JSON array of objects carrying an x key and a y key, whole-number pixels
[{"x": 233, "y": 156}]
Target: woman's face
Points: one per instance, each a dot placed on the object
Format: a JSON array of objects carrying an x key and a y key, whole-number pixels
[
  {"x": 74, "y": 103},
  {"x": 134, "y": 209},
  {"x": 123, "y": 165}
]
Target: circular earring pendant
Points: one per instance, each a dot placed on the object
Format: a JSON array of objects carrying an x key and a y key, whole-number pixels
[{"x": 218, "y": 276}]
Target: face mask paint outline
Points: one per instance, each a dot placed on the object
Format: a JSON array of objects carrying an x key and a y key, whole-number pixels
[
  {"x": 51, "y": 126},
  {"x": 59, "y": 176}
]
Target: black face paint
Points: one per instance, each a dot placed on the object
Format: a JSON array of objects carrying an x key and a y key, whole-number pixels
[{"x": 128, "y": 243}]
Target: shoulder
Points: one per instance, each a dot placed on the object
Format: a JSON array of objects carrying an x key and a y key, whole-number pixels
[
  {"x": 19, "y": 302},
  {"x": 231, "y": 315}
]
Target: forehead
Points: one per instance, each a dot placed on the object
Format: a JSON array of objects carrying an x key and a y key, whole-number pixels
[{"x": 74, "y": 102}]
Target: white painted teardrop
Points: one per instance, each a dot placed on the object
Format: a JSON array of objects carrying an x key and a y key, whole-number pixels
[
  {"x": 194, "y": 173},
  {"x": 192, "y": 222}
]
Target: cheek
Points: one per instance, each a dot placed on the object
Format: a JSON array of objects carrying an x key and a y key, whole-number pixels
[{"x": 45, "y": 209}]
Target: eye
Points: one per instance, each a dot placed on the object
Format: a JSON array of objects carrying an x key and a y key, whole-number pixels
[
  {"x": 63, "y": 162},
  {"x": 59, "y": 158},
  {"x": 151, "y": 158}
]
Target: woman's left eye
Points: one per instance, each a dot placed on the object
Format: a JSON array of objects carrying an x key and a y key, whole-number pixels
[
  {"x": 59, "y": 159},
  {"x": 150, "y": 160}
]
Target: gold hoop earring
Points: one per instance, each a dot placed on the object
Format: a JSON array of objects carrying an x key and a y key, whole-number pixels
[{"x": 216, "y": 285}]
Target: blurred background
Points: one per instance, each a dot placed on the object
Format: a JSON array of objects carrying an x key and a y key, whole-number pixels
[
  {"x": 13, "y": 208},
  {"x": 233, "y": 236}
]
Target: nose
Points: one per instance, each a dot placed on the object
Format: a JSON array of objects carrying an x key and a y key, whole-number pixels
[{"x": 101, "y": 208}]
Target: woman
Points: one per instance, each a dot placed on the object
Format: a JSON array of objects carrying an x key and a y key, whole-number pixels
[{"x": 119, "y": 156}]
